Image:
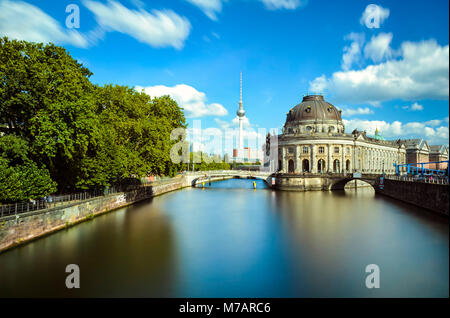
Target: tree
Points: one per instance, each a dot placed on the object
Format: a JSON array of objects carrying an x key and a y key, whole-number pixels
[
  {"x": 20, "y": 178},
  {"x": 59, "y": 126}
]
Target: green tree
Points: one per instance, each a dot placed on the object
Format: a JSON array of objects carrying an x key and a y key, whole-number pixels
[
  {"x": 69, "y": 130},
  {"x": 21, "y": 178}
]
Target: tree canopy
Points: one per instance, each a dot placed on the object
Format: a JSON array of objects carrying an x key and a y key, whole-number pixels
[{"x": 58, "y": 130}]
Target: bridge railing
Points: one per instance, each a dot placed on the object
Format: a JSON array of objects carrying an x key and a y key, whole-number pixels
[
  {"x": 424, "y": 179},
  {"x": 225, "y": 172},
  {"x": 423, "y": 168}
]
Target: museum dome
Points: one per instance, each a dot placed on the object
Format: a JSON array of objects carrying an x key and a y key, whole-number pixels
[
  {"x": 314, "y": 108},
  {"x": 314, "y": 115}
]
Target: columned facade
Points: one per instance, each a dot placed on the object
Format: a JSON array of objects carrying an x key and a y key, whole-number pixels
[{"x": 314, "y": 141}]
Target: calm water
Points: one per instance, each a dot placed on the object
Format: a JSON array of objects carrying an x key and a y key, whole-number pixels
[{"x": 229, "y": 240}]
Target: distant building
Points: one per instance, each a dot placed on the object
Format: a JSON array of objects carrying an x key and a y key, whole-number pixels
[
  {"x": 439, "y": 153},
  {"x": 418, "y": 151},
  {"x": 247, "y": 155}
]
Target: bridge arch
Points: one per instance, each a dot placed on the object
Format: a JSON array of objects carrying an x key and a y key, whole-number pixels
[{"x": 339, "y": 183}]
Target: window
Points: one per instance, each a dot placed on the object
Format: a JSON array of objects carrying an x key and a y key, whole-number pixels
[
  {"x": 290, "y": 150},
  {"x": 336, "y": 149},
  {"x": 347, "y": 150},
  {"x": 331, "y": 128},
  {"x": 321, "y": 149},
  {"x": 305, "y": 149},
  {"x": 308, "y": 128}
]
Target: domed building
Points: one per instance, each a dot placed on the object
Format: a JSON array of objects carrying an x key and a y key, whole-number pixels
[{"x": 314, "y": 141}]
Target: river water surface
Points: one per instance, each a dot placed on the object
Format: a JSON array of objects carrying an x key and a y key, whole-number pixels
[{"x": 229, "y": 240}]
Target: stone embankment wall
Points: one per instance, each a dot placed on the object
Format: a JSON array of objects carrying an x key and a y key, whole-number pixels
[
  {"x": 17, "y": 229},
  {"x": 430, "y": 196}
]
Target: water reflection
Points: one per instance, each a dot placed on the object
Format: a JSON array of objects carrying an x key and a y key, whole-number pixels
[{"x": 229, "y": 240}]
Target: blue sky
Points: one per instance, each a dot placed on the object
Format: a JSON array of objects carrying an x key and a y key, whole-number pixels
[{"x": 393, "y": 75}]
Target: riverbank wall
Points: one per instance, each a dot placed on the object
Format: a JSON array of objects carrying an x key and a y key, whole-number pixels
[
  {"x": 430, "y": 196},
  {"x": 24, "y": 227}
]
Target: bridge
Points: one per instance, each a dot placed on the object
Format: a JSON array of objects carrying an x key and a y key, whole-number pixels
[
  {"x": 338, "y": 182},
  {"x": 321, "y": 181},
  {"x": 199, "y": 177}
]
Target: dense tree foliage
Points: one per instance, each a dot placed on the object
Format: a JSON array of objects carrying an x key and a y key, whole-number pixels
[
  {"x": 21, "y": 178},
  {"x": 57, "y": 128},
  {"x": 204, "y": 162}
]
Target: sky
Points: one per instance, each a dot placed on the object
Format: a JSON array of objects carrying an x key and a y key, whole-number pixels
[{"x": 384, "y": 63}]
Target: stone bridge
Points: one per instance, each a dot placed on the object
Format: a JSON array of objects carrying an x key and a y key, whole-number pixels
[
  {"x": 195, "y": 178},
  {"x": 326, "y": 181},
  {"x": 338, "y": 182}
]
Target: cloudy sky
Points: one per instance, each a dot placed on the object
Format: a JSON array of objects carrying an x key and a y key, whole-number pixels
[{"x": 384, "y": 63}]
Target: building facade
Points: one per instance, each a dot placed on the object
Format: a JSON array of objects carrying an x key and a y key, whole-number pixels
[
  {"x": 437, "y": 154},
  {"x": 314, "y": 140}
]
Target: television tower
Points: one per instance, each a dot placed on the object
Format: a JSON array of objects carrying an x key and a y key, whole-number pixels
[{"x": 241, "y": 114}]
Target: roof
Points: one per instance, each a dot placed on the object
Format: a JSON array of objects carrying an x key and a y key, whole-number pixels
[
  {"x": 378, "y": 136},
  {"x": 441, "y": 149},
  {"x": 417, "y": 144},
  {"x": 314, "y": 108}
]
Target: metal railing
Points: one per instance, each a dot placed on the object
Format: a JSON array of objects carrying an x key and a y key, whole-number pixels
[
  {"x": 60, "y": 201},
  {"x": 424, "y": 179}
]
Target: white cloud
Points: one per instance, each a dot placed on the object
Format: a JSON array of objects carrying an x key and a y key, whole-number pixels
[
  {"x": 187, "y": 97},
  {"x": 209, "y": 7},
  {"x": 414, "y": 107},
  {"x": 283, "y": 4},
  {"x": 420, "y": 73},
  {"x": 373, "y": 16},
  {"x": 23, "y": 21},
  {"x": 158, "y": 29},
  {"x": 357, "y": 111},
  {"x": 397, "y": 129},
  {"x": 379, "y": 47},
  {"x": 352, "y": 53},
  {"x": 435, "y": 122}
]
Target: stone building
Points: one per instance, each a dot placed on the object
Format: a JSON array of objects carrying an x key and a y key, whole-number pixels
[
  {"x": 417, "y": 150},
  {"x": 439, "y": 153},
  {"x": 314, "y": 140}
]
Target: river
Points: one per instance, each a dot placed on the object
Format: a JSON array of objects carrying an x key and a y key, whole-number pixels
[{"x": 230, "y": 240}]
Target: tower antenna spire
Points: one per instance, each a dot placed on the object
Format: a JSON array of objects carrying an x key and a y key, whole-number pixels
[{"x": 241, "y": 88}]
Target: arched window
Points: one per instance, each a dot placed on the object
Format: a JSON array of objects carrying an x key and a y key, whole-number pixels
[
  {"x": 336, "y": 166},
  {"x": 291, "y": 168},
  {"x": 321, "y": 166},
  {"x": 347, "y": 165},
  {"x": 305, "y": 165}
]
